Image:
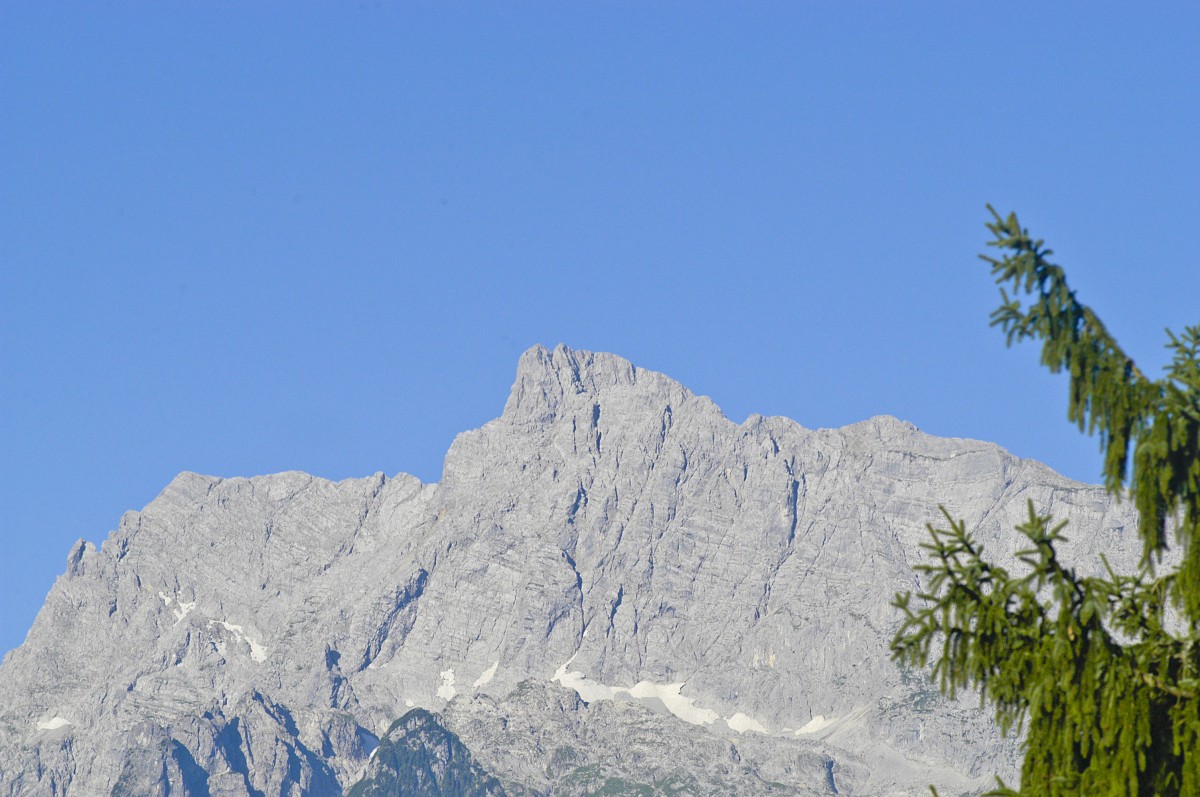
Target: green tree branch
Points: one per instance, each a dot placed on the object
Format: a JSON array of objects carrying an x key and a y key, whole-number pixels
[{"x": 1103, "y": 674}]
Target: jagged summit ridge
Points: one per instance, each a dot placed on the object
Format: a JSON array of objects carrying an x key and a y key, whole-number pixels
[
  {"x": 611, "y": 534},
  {"x": 545, "y": 377}
]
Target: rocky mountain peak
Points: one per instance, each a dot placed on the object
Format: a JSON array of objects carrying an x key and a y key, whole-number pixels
[
  {"x": 714, "y": 598},
  {"x": 548, "y": 378}
]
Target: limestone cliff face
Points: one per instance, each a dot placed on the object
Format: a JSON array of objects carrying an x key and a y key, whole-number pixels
[{"x": 611, "y": 537}]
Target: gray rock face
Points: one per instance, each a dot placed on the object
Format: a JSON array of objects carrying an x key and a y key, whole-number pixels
[{"x": 643, "y": 567}]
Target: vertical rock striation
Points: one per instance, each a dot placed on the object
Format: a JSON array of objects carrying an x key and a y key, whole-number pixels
[{"x": 609, "y": 554}]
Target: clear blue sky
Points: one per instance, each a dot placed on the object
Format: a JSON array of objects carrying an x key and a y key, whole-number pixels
[{"x": 317, "y": 236}]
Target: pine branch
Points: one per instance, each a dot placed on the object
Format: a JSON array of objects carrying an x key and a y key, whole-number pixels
[
  {"x": 1157, "y": 420},
  {"x": 1096, "y": 670}
]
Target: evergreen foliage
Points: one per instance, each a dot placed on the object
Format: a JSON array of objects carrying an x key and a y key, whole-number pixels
[
  {"x": 1103, "y": 673},
  {"x": 418, "y": 757}
]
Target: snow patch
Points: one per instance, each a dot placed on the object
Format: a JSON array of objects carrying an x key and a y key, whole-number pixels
[
  {"x": 587, "y": 689},
  {"x": 487, "y": 676},
  {"x": 180, "y": 612},
  {"x": 741, "y": 723},
  {"x": 669, "y": 694},
  {"x": 258, "y": 651},
  {"x": 817, "y": 723},
  {"x": 447, "y": 691},
  {"x": 52, "y": 723},
  {"x": 683, "y": 707},
  {"x": 409, "y": 703}
]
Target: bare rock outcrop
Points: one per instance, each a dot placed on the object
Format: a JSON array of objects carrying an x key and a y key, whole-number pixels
[{"x": 611, "y": 560}]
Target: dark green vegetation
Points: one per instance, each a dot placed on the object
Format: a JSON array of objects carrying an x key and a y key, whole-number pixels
[
  {"x": 1103, "y": 673},
  {"x": 417, "y": 756}
]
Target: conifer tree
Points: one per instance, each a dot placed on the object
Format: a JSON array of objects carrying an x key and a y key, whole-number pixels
[{"x": 1102, "y": 673}]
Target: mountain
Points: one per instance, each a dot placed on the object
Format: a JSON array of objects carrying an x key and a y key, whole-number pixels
[{"x": 613, "y": 589}]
